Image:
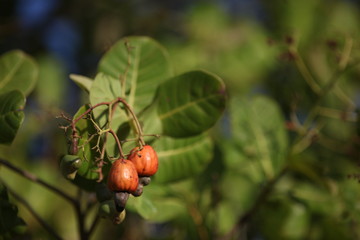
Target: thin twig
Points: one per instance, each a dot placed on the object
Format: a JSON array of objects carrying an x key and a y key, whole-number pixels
[
  {"x": 314, "y": 112},
  {"x": 111, "y": 104},
  {"x": 111, "y": 113},
  {"x": 37, "y": 180},
  {"x": 199, "y": 221},
  {"x": 331, "y": 83},
  {"x": 80, "y": 217},
  {"x": 89, "y": 110},
  {"x": 344, "y": 59},
  {"x": 338, "y": 114},
  {"x": 93, "y": 225},
  {"x": 261, "y": 199},
  {"x": 305, "y": 72},
  {"x": 91, "y": 203},
  {"x": 42, "y": 222},
  {"x": 136, "y": 121},
  {"x": 118, "y": 143},
  {"x": 263, "y": 196}
]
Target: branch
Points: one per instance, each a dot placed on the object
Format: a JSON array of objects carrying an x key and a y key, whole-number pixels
[
  {"x": 93, "y": 225},
  {"x": 315, "y": 110},
  {"x": 80, "y": 216},
  {"x": 261, "y": 199},
  {"x": 110, "y": 104},
  {"x": 199, "y": 221},
  {"x": 47, "y": 227},
  {"x": 37, "y": 180},
  {"x": 305, "y": 72},
  {"x": 344, "y": 59}
]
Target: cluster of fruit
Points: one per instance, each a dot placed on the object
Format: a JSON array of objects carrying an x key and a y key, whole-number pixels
[
  {"x": 129, "y": 176},
  {"x": 126, "y": 176}
]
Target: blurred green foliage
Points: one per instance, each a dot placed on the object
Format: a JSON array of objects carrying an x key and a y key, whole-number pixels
[{"x": 278, "y": 164}]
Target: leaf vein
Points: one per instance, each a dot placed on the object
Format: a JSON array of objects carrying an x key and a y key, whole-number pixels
[
  {"x": 187, "y": 105},
  {"x": 182, "y": 150},
  {"x": 11, "y": 73}
]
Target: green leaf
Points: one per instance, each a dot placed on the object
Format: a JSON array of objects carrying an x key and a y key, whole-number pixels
[
  {"x": 144, "y": 206},
  {"x": 290, "y": 219},
  {"x": 82, "y": 81},
  {"x": 154, "y": 204},
  {"x": 342, "y": 21},
  {"x": 105, "y": 89},
  {"x": 297, "y": 223},
  {"x": 317, "y": 199},
  {"x": 10, "y": 224},
  {"x": 143, "y": 63},
  {"x": 259, "y": 137},
  {"x": 150, "y": 121},
  {"x": 50, "y": 89},
  {"x": 11, "y": 115},
  {"x": 159, "y": 210},
  {"x": 182, "y": 158},
  {"x": 191, "y": 103},
  {"x": 87, "y": 175},
  {"x": 292, "y": 18},
  {"x": 232, "y": 206},
  {"x": 86, "y": 129},
  {"x": 18, "y": 71},
  {"x": 299, "y": 18}
]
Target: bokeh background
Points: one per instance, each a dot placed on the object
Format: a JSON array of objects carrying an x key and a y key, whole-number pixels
[{"x": 250, "y": 44}]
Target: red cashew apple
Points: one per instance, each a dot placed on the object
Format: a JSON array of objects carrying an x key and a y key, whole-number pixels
[
  {"x": 145, "y": 160},
  {"x": 123, "y": 176}
]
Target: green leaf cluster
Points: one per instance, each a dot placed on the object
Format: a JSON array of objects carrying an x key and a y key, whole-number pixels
[
  {"x": 180, "y": 109},
  {"x": 11, "y": 224},
  {"x": 18, "y": 75}
]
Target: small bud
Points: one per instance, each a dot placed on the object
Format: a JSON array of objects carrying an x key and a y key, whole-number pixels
[
  {"x": 289, "y": 40},
  {"x": 108, "y": 210},
  {"x": 270, "y": 42},
  {"x": 69, "y": 164},
  {"x": 287, "y": 56},
  {"x": 332, "y": 44}
]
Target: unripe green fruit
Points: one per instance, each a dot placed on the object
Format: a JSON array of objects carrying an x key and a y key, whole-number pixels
[
  {"x": 108, "y": 210},
  {"x": 69, "y": 164}
]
